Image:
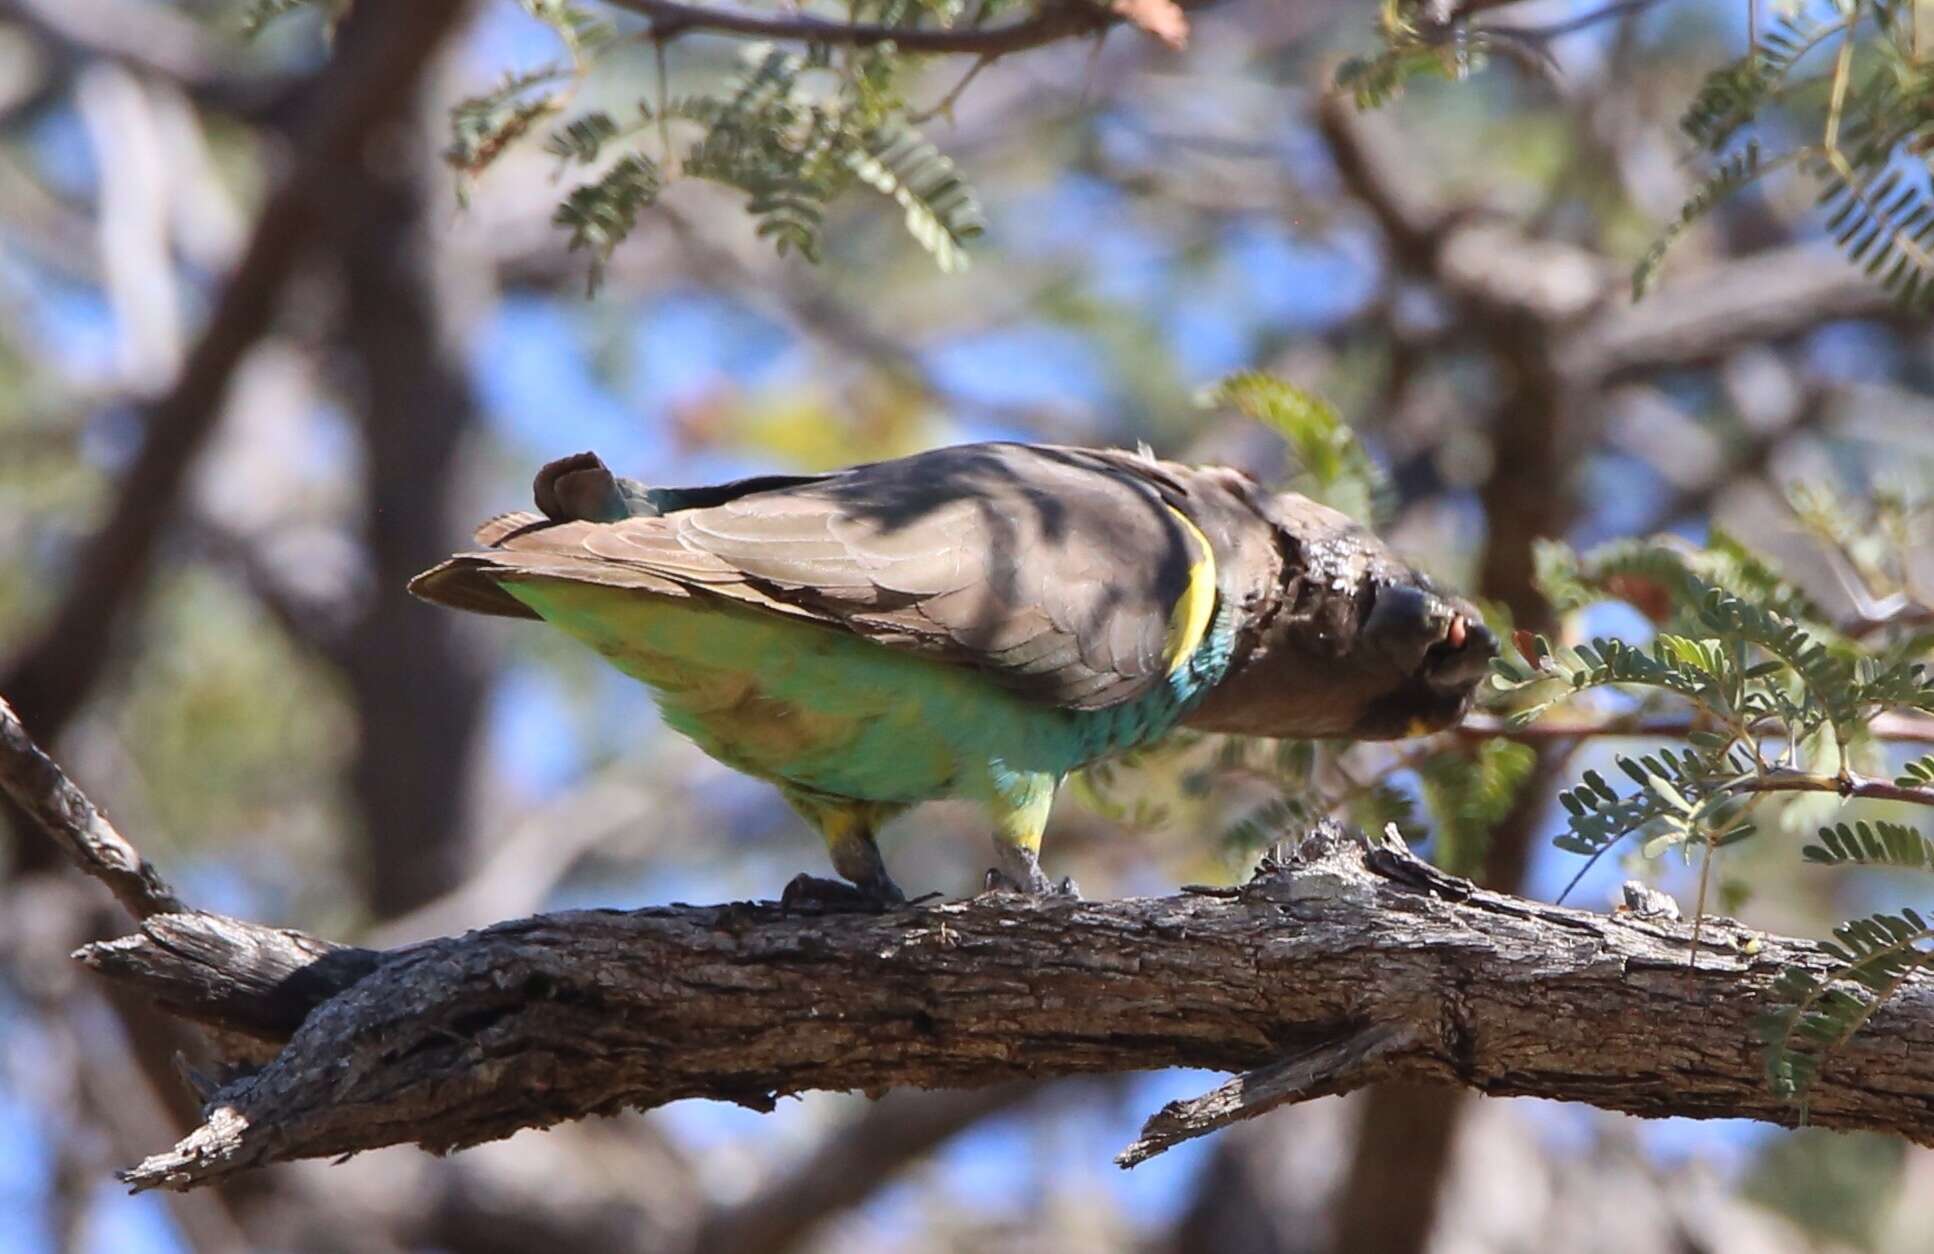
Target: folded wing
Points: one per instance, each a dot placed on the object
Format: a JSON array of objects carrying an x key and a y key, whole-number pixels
[{"x": 1065, "y": 574}]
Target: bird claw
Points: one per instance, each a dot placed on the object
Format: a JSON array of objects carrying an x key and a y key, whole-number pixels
[
  {"x": 1037, "y": 885},
  {"x": 813, "y": 892}
]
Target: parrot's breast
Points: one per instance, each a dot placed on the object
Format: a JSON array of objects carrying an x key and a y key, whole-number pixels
[{"x": 817, "y": 708}]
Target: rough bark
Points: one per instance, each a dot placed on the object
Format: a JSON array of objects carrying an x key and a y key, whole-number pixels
[
  {"x": 34, "y": 782},
  {"x": 532, "y": 1022}
]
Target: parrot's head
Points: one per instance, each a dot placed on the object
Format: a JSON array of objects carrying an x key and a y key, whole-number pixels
[{"x": 1351, "y": 641}]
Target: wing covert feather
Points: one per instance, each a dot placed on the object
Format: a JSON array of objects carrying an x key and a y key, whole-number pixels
[{"x": 1055, "y": 571}]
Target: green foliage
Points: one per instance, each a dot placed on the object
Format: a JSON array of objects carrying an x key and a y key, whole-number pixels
[
  {"x": 1415, "y": 43},
  {"x": 792, "y": 144},
  {"x": 1676, "y": 798},
  {"x": 1661, "y": 574},
  {"x": 1268, "y": 823},
  {"x": 1814, "y": 1013},
  {"x": 600, "y": 214},
  {"x": 1748, "y": 661},
  {"x": 1866, "y": 134},
  {"x": 1733, "y": 173},
  {"x": 1469, "y": 795},
  {"x": 941, "y": 213},
  {"x": 260, "y": 13},
  {"x": 1109, "y": 788},
  {"x": 1869, "y": 126},
  {"x": 793, "y": 132},
  {"x": 581, "y": 140},
  {"x": 1773, "y": 698},
  {"x": 482, "y": 127},
  {"x": 1334, "y": 467},
  {"x": 1377, "y": 80},
  {"x": 581, "y": 31},
  {"x": 1873, "y": 844},
  {"x": 1732, "y": 95},
  {"x": 1293, "y": 800},
  {"x": 793, "y": 148},
  {"x": 1917, "y": 774},
  {"x": 1883, "y": 218}
]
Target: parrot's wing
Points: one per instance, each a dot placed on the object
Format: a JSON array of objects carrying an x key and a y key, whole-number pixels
[{"x": 1063, "y": 573}]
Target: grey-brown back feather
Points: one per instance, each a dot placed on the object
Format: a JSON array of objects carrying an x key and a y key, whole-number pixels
[{"x": 1054, "y": 570}]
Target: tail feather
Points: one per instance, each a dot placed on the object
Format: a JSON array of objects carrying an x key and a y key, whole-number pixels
[
  {"x": 464, "y": 583},
  {"x": 573, "y": 493},
  {"x": 494, "y": 531},
  {"x": 474, "y": 581}
]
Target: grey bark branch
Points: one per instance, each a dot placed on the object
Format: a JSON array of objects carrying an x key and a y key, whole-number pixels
[
  {"x": 1347, "y": 1062},
  {"x": 42, "y": 790},
  {"x": 244, "y": 978},
  {"x": 536, "y": 1021}
]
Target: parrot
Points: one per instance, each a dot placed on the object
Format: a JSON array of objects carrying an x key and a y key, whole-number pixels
[{"x": 973, "y": 621}]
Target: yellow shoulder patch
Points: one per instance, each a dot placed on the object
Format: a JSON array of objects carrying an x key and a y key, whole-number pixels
[{"x": 1188, "y": 622}]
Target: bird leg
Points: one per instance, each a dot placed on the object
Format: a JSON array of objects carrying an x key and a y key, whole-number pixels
[
  {"x": 848, "y": 832},
  {"x": 1020, "y": 806}
]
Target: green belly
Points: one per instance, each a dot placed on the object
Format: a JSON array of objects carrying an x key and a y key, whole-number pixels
[{"x": 814, "y": 707}]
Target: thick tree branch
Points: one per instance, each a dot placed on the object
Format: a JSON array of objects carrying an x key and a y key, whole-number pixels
[
  {"x": 1697, "y": 319},
  {"x": 532, "y": 1022}
]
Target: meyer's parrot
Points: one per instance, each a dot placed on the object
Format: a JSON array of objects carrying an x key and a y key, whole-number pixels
[{"x": 974, "y": 621}]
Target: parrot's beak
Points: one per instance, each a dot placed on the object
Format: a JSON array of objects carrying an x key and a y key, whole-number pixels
[
  {"x": 1433, "y": 648},
  {"x": 1422, "y": 633},
  {"x": 1461, "y": 659}
]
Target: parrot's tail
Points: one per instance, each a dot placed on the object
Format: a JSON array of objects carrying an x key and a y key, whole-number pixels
[
  {"x": 466, "y": 582},
  {"x": 578, "y": 488}
]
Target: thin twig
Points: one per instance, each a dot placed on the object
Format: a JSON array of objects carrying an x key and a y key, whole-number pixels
[
  {"x": 1051, "y": 23},
  {"x": 1849, "y": 785},
  {"x": 1888, "y": 727},
  {"x": 945, "y": 105},
  {"x": 1334, "y": 1064},
  {"x": 42, "y": 789}
]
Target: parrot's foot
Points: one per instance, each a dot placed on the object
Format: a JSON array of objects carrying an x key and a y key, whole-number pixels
[
  {"x": 998, "y": 881},
  {"x": 1021, "y": 872},
  {"x": 824, "y": 894}
]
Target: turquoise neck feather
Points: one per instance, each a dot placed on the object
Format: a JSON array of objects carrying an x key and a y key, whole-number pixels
[{"x": 1117, "y": 729}]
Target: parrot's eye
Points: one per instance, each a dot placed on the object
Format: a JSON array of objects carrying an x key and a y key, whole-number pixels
[{"x": 1403, "y": 622}]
